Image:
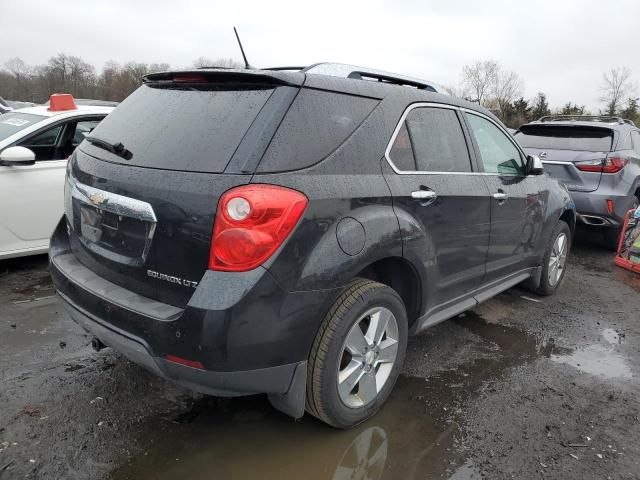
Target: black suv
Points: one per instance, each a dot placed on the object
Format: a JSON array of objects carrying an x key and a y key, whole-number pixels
[{"x": 282, "y": 232}]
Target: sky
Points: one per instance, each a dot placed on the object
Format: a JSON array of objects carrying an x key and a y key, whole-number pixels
[{"x": 560, "y": 47}]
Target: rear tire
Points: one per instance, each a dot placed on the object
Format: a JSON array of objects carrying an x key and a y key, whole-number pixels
[
  {"x": 554, "y": 260},
  {"x": 361, "y": 307}
]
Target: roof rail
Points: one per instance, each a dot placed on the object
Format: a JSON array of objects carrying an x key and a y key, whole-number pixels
[
  {"x": 361, "y": 73},
  {"x": 586, "y": 118},
  {"x": 278, "y": 69}
]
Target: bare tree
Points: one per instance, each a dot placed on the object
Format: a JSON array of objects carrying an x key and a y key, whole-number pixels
[
  {"x": 19, "y": 78},
  {"x": 507, "y": 87},
  {"x": 202, "y": 62},
  {"x": 616, "y": 87},
  {"x": 478, "y": 80},
  {"x": 454, "y": 91},
  {"x": 159, "y": 67}
]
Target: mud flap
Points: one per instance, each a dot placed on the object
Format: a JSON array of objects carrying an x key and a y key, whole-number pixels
[
  {"x": 292, "y": 402},
  {"x": 533, "y": 282}
]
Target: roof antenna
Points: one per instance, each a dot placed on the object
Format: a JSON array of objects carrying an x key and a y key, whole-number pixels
[{"x": 246, "y": 62}]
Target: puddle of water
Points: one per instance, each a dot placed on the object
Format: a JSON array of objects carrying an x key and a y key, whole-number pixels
[
  {"x": 611, "y": 336},
  {"x": 247, "y": 439},
  {"x": 468, "y": 471},
  {"x": 415, "y": 435},
  {"x": 597, "y": 360},
  {"x": 602, "y": 360}
]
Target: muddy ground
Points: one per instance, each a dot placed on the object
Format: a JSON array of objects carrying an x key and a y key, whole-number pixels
[{"x": 520, "y": 387}]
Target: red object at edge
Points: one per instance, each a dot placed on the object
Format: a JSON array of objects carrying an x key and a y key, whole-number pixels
[
  {"x": 623, "y": 262},
  {"x": 61, "y": 101}
]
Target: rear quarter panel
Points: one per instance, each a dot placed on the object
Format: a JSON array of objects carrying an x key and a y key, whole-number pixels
[{"x": 559, "y": 202}]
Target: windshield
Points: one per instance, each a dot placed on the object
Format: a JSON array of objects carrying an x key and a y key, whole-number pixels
[
  {"x": 585, "y": 139},
  {"x": 13, "y": 122}
]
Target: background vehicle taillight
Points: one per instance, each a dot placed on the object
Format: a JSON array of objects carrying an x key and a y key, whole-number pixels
[
  {"x": 252, "y": 221},
  {"x": 611, "y": 165}
]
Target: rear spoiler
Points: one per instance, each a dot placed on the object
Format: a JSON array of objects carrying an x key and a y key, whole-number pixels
[{"x": 220, "y": 75}]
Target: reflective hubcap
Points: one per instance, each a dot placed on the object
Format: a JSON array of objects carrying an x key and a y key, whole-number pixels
[
  {"x": 558, "y": 259},
  {"x": 368, "y": 356}
]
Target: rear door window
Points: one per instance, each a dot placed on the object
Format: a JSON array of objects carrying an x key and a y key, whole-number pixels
[
  {"x": 401, "y": 153},
  {"x": 557, "y": 137},
  {"x": 317, "y": 123},
  {"x": 183, "y": 128},
  {"x": 438, "y": 141},
  {"x": 431, "y": 140},
  {"x": 83, "y": 128}
]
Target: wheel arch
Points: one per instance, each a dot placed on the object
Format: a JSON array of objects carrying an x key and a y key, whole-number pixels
[
  {"x": 400, "y": 275},
  {"x": 569, "y": 217}
]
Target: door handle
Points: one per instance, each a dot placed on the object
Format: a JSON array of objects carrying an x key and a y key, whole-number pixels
[
  {"x": 423, "y": 195},
  {"x": 500, "y": 196}
]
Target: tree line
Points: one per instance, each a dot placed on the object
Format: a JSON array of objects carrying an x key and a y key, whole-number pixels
[
  {"x": 71, "y": 74},
  {"x": 485, "y": 82},
  {"x": 501, "y": 91}
]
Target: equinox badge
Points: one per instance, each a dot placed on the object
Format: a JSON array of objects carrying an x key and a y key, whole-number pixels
[{"x": 171, "y": 279}]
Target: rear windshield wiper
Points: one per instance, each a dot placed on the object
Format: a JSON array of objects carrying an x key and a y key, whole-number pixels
[{"x": 115, "y": 148}]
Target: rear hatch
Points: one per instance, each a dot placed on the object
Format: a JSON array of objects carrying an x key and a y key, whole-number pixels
[
  {"x": 566, "y": 148},
  {"x": 141, "y": 197}
]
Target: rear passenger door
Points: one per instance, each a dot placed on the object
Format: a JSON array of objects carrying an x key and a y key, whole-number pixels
[
  {"x": 442, "y": 205},
  {"x": 518, "y": 200}
]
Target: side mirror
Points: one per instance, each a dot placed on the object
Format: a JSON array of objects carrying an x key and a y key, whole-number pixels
[
  {"x": 534, "y": 165},
  {"x": 17, "y": 157}
]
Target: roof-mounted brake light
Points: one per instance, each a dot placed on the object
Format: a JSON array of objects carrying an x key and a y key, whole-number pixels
[
  {"x": 59, "y": 102},
  {"x": 189, "y": 78}
]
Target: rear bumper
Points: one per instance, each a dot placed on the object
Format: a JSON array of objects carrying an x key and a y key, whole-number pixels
[
  {"x": 592, "y": 208},
  {"x": 275, "y": 380},
  {"x": 247, "y": 334}
]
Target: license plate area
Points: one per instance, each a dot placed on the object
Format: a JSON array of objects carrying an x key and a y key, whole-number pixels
[{"x": 116, "y": 227}]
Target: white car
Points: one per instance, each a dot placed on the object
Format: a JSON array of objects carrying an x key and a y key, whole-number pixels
[{"x": 35, "y": 143}]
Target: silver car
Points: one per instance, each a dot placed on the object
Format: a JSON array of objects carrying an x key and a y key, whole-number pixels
[{"x": 598, "y": 160}]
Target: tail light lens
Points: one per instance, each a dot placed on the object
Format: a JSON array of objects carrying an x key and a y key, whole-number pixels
[
  {"x": 611, "y": 165},
  {"x": 252, "y": 221}
]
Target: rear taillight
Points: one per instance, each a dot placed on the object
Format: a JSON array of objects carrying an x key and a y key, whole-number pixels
[
  {"x": 611, "y": 165},
  {"x": 252, "y": 221}
]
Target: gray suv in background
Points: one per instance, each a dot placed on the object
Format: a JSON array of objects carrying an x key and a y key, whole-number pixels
[{"x": 598, "y": 160}]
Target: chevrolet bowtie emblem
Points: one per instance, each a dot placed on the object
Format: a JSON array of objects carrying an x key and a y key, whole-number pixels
[{"x": 96, "y": 198}]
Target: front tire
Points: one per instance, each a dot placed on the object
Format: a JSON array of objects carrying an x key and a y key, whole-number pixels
[
  {"x": 357, "y": 355},
  {"x": 555, "y": 259}
]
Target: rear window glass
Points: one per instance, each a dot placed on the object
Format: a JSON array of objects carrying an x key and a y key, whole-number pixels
[
  {"x": 182, "y": 128},
  {"x": 317, "y": 123},
  {"x": 565, "y": 138},
  {"x": 11, "y": 123}
]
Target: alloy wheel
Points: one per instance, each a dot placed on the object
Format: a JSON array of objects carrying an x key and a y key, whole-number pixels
[
  {"x": 558, "y": 259},
  {"x": 368, "y": 357}
]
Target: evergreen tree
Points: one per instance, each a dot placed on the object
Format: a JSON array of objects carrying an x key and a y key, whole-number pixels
[{"x": 540, "y": 106}]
